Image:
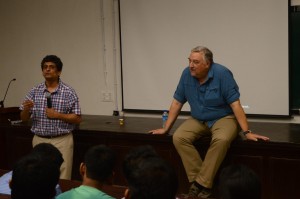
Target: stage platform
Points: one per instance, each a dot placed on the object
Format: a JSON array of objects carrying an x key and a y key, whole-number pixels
[{"x": 277, "y": 162}]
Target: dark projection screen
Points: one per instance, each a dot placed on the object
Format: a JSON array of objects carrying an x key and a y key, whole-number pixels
[{"x": 248, "y": 37}]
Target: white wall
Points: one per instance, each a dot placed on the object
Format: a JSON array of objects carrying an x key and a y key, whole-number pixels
[
  {"x": 295, "y": 2},
  {"x": 71, "y": 29},
  {"x": 156, "y": 41}
]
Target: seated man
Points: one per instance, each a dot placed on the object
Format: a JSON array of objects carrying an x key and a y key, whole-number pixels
[
  {"x": 96, "y": 170},
  {"x": 44, "y": 150},
  {"x": 216, "y": 110},
  {"x": 238, "y": 181},
  {"x": 34, "y": 177},
  {"x": 149, "y": 176}
]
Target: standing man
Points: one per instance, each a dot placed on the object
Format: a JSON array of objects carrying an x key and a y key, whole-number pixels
[
  {"x": 54, "y": 109},
  {"x": 213, "y": 95}
]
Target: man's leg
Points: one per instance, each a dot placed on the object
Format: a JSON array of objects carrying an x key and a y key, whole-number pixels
[
  {"x": 224, "y": 131},
  {"x": 183, "y": 139},
  {"x": 65, "y": 145}
]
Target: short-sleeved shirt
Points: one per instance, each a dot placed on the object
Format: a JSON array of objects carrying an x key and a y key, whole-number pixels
[
  {"x": 211, "y": 100},
  {"x": 64, "y": 100},
  {"x": 85, "y": 192}
]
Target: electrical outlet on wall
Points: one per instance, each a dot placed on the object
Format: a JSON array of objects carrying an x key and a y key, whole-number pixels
[{"x": 106, "y": 96}]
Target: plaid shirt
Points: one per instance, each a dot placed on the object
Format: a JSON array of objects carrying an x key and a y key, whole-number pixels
[{"x": 64, "y": 100}]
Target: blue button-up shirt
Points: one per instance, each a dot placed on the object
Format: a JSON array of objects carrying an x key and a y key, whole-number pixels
[
  {"x": 64, "y": 100},
  {"x": 211, "y": 100}
]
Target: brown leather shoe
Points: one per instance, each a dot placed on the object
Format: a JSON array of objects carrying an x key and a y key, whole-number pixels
[
  {"x": 186, "y": 196},
  {"x": 194, "y": 191},
  {"x": 205, "y": 193}
]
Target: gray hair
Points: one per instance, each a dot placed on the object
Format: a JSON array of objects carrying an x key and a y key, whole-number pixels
[{"x": 208, "y": 55}]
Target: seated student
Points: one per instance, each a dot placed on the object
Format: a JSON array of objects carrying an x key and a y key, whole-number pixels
[
  {"x": 136, "y": 155},
  {"x": 44, "y": 150},
  {"x": 34, "y": 177},
  {"x": 149, "y": 177},
  {"x": 239, "y": 182},
  {"x": 96, "y": 170},
  {"x": 4, "y": 183}
]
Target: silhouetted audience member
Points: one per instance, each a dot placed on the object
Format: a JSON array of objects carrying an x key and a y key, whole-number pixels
[
  {"x": 96, "y": 170},
  {"x": 45, "y": 151},
  {"x": 34, "y": 177},
  {"x": 48, "y": 152},
  {"x": 239, "y": 182},
  {"x": 149, "y": 176},
  {"x": 136, "y": 155}
]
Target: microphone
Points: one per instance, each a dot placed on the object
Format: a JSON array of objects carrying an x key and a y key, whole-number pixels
[
  {"x": 2, "y": 102},
  {"x": 49, "y": 101}
]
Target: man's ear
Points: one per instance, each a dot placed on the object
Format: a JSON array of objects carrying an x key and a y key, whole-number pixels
[
  {"x": 126, "y": 194},
  {"x": 82, "y": 169},
  {"x": 110, "y": 179},
  {"x": 10, "y": 183}
]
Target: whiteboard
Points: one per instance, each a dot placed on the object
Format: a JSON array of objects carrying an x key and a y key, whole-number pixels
[{"x": 248, "y": 37}]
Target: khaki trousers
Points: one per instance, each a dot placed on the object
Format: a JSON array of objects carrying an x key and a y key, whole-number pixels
[
  {"x": 65, "y": 145},
  {"x": 222, "y": 133}
]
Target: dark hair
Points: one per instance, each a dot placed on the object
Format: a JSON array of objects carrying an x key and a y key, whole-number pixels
[
  {"x": 100, "y": 162},
  {"x": 239, "y": 181},
  {"x": 153, "y": 178},
  {"x": 148, "y": 175},
  {"x": 34, "y": 177},
  {"x": 52, "y": 58},
  {"x": 49, "y": 153},
  {"x": 136, "y": 155}
]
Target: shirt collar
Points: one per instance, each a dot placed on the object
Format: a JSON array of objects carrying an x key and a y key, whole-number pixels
[
  {"x": 56, "y": 90},
  {"x": 210, "y": 74}
]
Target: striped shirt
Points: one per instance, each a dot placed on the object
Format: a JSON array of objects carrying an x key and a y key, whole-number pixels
[{"x": 64, "y": 100}]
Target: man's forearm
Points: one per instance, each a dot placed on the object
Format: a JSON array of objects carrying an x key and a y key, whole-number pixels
[
  {"x": 69, "y": 118},
  {"x": 25, "y": 115},
  {"x": 240, "y": 115},
  {"x": 173, "y": 114}
]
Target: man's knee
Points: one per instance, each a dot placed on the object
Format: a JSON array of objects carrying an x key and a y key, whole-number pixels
[
  {"x": 222, "y": 142},
  {"x": 177, "y": 138}
]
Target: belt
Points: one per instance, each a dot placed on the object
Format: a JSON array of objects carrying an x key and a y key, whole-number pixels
[{"x": 51, "y": 136}]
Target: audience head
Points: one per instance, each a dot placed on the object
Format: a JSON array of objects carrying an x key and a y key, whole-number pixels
[
  {"x": 238, "y": 181},
  {"x": 34, "y": 177},
  {"x": 99, "y": 162},
  {"x": 148, "y": 175},
  {"x": 135, "y": 156},
  {"x": 48, "y": 152}
]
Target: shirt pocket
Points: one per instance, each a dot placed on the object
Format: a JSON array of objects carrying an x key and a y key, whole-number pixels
[
  {"x": 213, "y": 97},
  {"x": 63, "y": 106}
]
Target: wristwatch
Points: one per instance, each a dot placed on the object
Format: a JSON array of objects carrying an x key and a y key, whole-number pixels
[{"x": 246, "y": 132}]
